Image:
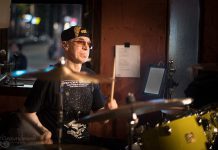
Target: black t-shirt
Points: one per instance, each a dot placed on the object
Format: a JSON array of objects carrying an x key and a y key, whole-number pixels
[{"x": 79, "y": 99}]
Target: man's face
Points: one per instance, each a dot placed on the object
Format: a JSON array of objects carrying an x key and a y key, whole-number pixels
[{"x": 78, "y": 49}]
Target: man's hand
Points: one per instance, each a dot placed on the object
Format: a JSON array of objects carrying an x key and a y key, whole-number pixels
[
  {"x": 112, "y": 104},
  {"x": 45, "y": 137}
]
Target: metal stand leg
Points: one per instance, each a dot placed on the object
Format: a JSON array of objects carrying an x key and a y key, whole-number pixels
[
  {"x": 60, "y": 114},
  {"x": 132, "y": 123}
]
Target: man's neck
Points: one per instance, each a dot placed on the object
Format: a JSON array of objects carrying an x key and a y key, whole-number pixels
[{"x": 73, "y": 66}]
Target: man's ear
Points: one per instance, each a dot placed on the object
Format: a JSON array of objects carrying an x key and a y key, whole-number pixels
[{"x": 65, "y": 45}]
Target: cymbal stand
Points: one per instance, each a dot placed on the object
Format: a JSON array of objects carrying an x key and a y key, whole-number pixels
[
  {"x": 60, "y": 109},
  {"x": 171, "y": 83},
  {"x": 133, "y": 120},
  {"x": 9, "y": 80},
  {"x": 60, "y": 113}
]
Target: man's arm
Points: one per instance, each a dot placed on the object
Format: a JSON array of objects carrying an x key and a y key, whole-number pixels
[{"x": 33, "y": 120}]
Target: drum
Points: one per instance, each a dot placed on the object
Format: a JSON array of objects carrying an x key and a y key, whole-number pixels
[
  {"x": 182, "y": 133},
  {"x": 209, "y": 120}
]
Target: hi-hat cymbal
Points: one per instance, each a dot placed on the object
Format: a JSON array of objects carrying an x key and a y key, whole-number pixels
[
  {"x": 138, "y": 108},
  {"x": 61, "y": 73}
]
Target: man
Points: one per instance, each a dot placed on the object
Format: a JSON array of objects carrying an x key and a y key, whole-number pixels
[
  {"x": 17, "y": 57},
  {"x": 79, "y": 99}
]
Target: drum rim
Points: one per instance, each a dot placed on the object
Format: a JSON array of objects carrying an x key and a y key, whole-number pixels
[{"x": 205, "y": 109}]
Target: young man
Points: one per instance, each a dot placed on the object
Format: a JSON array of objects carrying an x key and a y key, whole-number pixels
[{"x": 79, "y": 99}]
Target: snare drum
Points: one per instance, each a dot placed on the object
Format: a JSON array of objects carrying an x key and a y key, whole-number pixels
[
  {"x": 208, "y": 118},
  {"x": 183, "y": 133}
]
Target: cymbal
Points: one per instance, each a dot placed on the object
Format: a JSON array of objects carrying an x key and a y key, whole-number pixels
[
  {"x": 61, "y": 73},
  {"x": 173, "y": 110},
  {"x": 206, "y": 67},
  {"x": 138, "y": 108}
]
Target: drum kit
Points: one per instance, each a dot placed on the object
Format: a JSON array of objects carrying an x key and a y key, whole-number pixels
[{"x": 187, "y": 130}]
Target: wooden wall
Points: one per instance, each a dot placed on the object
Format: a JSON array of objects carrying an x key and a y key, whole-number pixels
[
  {"x": 140, "y": 22},
  {"x": 209, "y": 32}
]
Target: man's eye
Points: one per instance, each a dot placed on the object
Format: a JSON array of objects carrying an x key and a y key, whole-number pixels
[
  {"x": 81, "y": 42},
  {"x": 84, "y": 43}
]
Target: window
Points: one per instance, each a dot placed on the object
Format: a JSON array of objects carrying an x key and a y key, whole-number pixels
[{"x": 37, "y": 28}]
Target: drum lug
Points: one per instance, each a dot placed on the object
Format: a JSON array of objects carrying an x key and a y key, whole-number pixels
[
  {"x": 214, "y": 118},
  {"x": 199, "y": 120},
  {"x": 209, "y": 146},
  {"x": 166, "y": 130},
  {"x": 205, "y": 124},
  {"x": 147, "y": 125}
]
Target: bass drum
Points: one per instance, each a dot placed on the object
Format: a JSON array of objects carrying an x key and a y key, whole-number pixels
[
  {"x": 182, "y": 133},
  {"x": 209, "y": 120}
]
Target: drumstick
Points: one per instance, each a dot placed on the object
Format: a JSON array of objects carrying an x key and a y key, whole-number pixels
[{"x": 113, "y": 82}]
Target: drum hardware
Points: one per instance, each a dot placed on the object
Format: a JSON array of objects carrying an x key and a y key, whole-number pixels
[
  {"x": 134, "y": 146},
  {"x": 147, "y": 125},
  {"x": 209, "y": 146},
  {"x": 165, "y": 131},
  {"x": 132, "y": 121},
  {"x": 206, "y": 125},
  {"x": 131, "y": 111},
  {"x": 164, "y": 118},
  {"x": 208, "y": 119},
  {"x": 199, "y": 120},
  {"x": 182, "y": 132},
  {"x": 3, "y": 76},
  {"x": 7, "y": 68},
  {"x": 138, "y": 107},
  {"x": 171, "y": 83},
  {"x": 214, "y": 118},
  {"x": 140, "y": 129},
  {"x": 8, "y": 79}
]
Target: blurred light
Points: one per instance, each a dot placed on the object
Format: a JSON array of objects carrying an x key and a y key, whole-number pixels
[
  {"x": 62, "y": 60},
  {"x": 55, "y": 26},
  {"x": 67, "y": 19},
  {"x": 73, "y": 21},
  {"x": 187, "y": 101},
  {"x": 18, "y": 73},
  {"x": 28, "y": 26},
  {"x": 66, "y": 26},
  {"x": 27, "y": 17},
  {"x": 36, "y": 20},
  {"x": 48, "y": 69}
]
